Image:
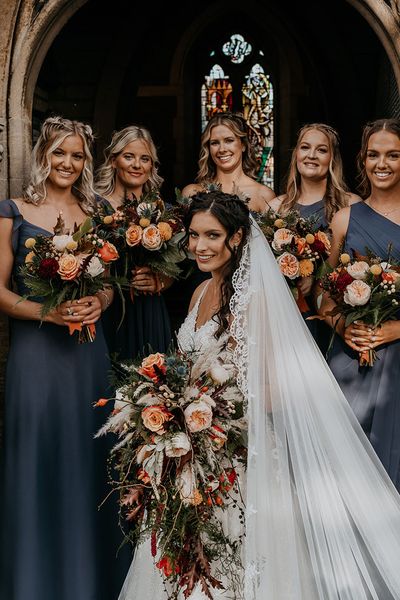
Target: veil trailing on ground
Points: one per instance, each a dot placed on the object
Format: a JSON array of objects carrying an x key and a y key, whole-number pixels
[{"x": 323, "y": 517}]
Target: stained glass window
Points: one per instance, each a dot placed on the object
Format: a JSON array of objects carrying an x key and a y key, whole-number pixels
[{"x": 247, "y": 89}]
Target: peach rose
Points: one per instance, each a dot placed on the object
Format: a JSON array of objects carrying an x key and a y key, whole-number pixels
[
  {"x": 358, "y": 270},
  {"x": 282, "y": 237},
  {"x": 322, "y": 237},
  {"x": 155, "y": 417},
  {"x": 133, "y": 235},
  {"x": 306, "y": 267},
  {"x": 357, "y": 293},
  {"x": 289, "y": 265},
  {"x": 148, "y": 364},
  {"x": 69, "y": 266},
  {"x": 108, "y": 252},
  {"x": 165, "y": 230},
  {"x": 198, "y": 416},
  {"x": 151, "y": 238}
]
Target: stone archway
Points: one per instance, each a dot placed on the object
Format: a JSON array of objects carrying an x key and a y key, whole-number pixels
[
  {"x": 384, "y": 18},
  {"x": 36, "y": 24}
]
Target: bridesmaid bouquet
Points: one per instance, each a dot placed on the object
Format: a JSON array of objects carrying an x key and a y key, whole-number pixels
[
  {"x": 146, "y": 232},
  {"x": 179, "y": 422},
  {"x": 67, "y": 267},
  {"x": 300, "y": 247},
  {"x": 364, "y": 288}
]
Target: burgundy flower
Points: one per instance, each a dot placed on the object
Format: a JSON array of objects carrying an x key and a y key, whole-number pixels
[
  {"x": 48, "y": 268},
  {"x": 343, "y": 280},
  {"x": 318, "y": 246}
]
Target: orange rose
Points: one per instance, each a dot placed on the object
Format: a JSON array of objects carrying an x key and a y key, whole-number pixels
[
  {"x": 154, "y": 418},
  {"x": 148, "y": 364},
  {"x": 152, "y": 239},
  {"x": 133, "y": 235},
  {"x": 306, "y": 267},
  {"x": 69, "y": 266},
  {"x": 301, "y": 245},
  {"x": 108, "y": 252},
  {"x": 289, "y": 265},
  {"x": 30, "y": 256},
  {"x": 165, "y": 230},
  {"x": 322, "y": 237}
]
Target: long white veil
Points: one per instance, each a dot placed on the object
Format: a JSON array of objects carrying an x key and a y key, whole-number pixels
[{"x": 323, "y": 517}]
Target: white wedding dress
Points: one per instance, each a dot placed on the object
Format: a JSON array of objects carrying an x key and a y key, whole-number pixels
[
  {"x": 322, "y": 517},
  {"x": 143, "y": 576}
]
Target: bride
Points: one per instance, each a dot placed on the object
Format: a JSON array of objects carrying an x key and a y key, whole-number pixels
[{"x": 322, "y": 516}]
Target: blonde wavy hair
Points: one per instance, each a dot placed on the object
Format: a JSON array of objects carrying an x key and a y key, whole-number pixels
[
  {"x": 390, "y": 125},
  {"x": 105, "y": 177},
  {"x": 53, "y": 132},
  {"x": 337, "y": 193},
  {"x": 237, "y": 124}
]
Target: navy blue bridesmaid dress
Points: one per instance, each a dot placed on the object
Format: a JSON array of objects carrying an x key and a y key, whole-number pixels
[
  {"x": 373, "y": 393},
  {"x": 55, "y": 542},
  {"x": 320, "y": 331},
  {"x": 145, "y": 327}
]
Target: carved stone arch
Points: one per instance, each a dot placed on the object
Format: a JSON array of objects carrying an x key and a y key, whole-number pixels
[
  {"x": 384, "y": 18},
  {"x": 37, "y": 25}
]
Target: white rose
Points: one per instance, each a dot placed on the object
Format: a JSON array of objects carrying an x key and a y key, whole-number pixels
[
  {"x": 357, "y": 293},
  {"x": 94, "y": 267},
  {"x": 358, "y": 270},
  {"x": 60, "y": 242},
  {"x": 177, "y": 445},
  {"x": 219, "y": 374}
]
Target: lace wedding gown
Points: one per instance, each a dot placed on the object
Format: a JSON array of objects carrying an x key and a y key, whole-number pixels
[{"x": 144, "y": 580}]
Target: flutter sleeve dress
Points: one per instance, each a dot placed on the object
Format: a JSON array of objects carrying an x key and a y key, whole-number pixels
[{"x": 55, "y": 542}]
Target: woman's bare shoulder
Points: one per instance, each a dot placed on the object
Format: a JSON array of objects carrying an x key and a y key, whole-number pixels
[
  {"x": 197, "y": 292},
  {"x": 353, "y": 198}
]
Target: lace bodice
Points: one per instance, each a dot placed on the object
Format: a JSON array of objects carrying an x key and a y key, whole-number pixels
[{"x": 192, "y": 339}]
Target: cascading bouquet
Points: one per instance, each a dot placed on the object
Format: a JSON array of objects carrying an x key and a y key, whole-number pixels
[
  {"x": 67, "y": 266},
  {"x": 146, "y": 232},
  {"x": 181, "y": 437},
  {"x": 364, "y": 288},
  {"x": 300, "y": 246}
]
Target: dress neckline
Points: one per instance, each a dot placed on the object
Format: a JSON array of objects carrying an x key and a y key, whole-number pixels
[
  {"x": 196, "y": 309},
  {"x": 377, "y": 213},
  {"x": 28, "y": 222}
]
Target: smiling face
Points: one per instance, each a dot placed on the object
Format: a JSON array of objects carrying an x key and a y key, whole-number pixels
[
  {"x": 313, "y": 155},
  {"x": 225, "y": 148},
  {"x": 207, "y": 239},
  {"x": 133, "y": 166},
  {"x": 382, "y": 162},
  {"x": 67, "y": 162}
]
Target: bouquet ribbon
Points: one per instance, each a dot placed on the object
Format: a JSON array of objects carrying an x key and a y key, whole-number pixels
[
  {"x": 302, "y": 302},
  {"x": 87, "y": 333}
]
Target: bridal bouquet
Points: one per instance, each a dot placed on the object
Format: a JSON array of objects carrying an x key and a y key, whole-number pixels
[
  {"x": 67, "y": 267},
  {"x": 364, "y": 288},
  {"x": 180, "y": 429},
  {"x": 300, "y": 247},
  {"x": 146, "y": 232}
]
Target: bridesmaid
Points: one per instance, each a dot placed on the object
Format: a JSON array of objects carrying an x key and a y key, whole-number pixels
[
  {"x": 315, "y": 188},
  {"x": 54, "y": 541},
  {"x": 373, "y": 392},
  {"x": 227, "y": 157},
  {"x": 130, "y": 167}
]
